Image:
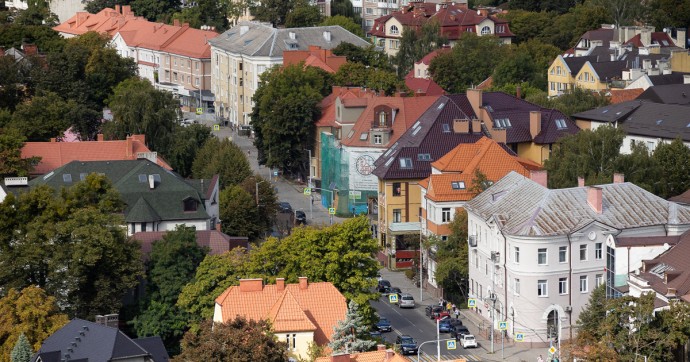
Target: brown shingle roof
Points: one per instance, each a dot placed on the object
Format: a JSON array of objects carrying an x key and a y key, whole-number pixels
[
  {"x": 670, "y": 269},
  {"x": 217, "y": 242}
]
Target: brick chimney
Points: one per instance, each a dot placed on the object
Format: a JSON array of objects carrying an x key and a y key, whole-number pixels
[
  {"x": 474, "y": 96},
  {"x": 53, "y": 139},
  {"x": 251, "y": 285},
  {"x": 129, "y": 146},
  {"x": 380, "y": 347},
  {"x": 518, "y": 92},
  {"x": 344, "y": 357},
  {"x": 534, "y": 123},
  {"x": 280, "y": 284},
  {"x": 580, "y": 182},
  {"x": 461, "y": 125},
  {"x": 30, "y": 49},
  {"x": 618, "y": 178},
  {"x": 303, "y": 283},
  {"x": 176, "y": 22},
  {"x": 117, "y": 9},
  {"x": 99, "y": 137},
  {"x": 539, "y": 176},
  {"x": 594, "y": 199},
  {"x": 390, "y": 354},
  {"x": 2, "y": 51}
]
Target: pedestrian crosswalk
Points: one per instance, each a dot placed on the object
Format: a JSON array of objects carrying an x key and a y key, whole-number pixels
[{"x": 429, "y": 358}]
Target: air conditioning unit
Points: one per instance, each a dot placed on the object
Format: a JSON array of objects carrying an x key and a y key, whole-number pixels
[
  {"x": 495, "y": 257},
  {"x": 568, "y": 308},
  {"x": 472, "y": 241}
]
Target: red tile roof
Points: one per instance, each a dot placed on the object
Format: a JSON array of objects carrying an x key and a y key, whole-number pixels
[
  {"x": 421, "y": 86},
  {"x": 345, "y": 93},
  {"x": 217, "y": 242},
  {"x": 373, "y": 356},
  {"x": 659, "y": 37},
  {"x": 427, "y": 58},
  {"x": 107, "y": 21},
  {"x": 315, "y": 57},
  {"x": 57, "y": 154},
  {"x": 624, "y": 95},
  {"x": 290, "y": 307}
]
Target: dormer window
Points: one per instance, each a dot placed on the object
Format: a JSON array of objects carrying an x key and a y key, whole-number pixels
[
  {"x": 405, "y": 163},
  {"x": 560, "y": 124},
  {"x": 486, "y": 30},
  {"x": 190, "y": 205},
  {"x": 394, "y": 30},
  {"x": 382, "y": 119}
]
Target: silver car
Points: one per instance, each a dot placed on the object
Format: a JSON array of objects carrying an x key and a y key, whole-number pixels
[{"x": 406, "y": 301}]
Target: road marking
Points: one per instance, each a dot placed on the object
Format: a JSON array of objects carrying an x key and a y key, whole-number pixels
[{"x": 424, "y": 357}]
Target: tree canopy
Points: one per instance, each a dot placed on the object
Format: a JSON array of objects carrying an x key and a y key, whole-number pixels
[
  {"x": 414, "y": 45},
  {"x": 351, "y": 334},
  {"x": 224, "y": 158},
  {"x": 452, "y": 266},
  {"x": 346, "y": 22},
  {"x": 303, "y": 14},
  {"x": 11, "y": 161}
]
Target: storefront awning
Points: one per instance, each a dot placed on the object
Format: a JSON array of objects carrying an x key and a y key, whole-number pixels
[{"x": 403, "y": 228}]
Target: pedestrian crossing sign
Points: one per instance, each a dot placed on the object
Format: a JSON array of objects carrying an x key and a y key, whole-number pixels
[
  {"x": 552, "y": 350},
  {"x": 331, "y": 210},
  {"x": 393, "y": 298},
  {"x": 519, "y": 337},
  {"x": 216, "y": 127},
  {"x": 451, "y": 344},
  {"x": 199, "y": 110},
  {"x": 471, "y": 303},
  {"x": 307, "y": 191},
  {"x": 503, "y": 326}
]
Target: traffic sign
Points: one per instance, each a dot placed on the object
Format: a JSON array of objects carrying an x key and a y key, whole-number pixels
[
  {"x": 393, "y": 298},
  {"x": 331, "y": 210},
  {"x": 307, "y": 191},
  {"x": 519, "y": 337},
  {"x": 199, "y": 110},
  {"x": 451, "y": 345},
  {"x": 471, "y": 303},
  {"x": 552, "y": 350},
  {"x": 216, "y": 127},
  {"x": 503, "y": 326}
]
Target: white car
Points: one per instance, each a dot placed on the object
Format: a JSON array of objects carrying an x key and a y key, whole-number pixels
[{"x": 468, "y": 341}]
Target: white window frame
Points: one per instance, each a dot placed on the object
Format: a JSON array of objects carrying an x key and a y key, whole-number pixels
[
  {"x": 583, "y": 248},
  {"x": 563, "y": 286},
  {"x": 562, "y": 254},
  {"x": 542, "y": 288},
  {"x": 445, "y": 214},
  {"x": 516, "y": 254},
  {"x": 516, "y": 286},
  {"x": 598, "y": 251},
  {"x": 542, "y": 252},
  {"x": 584, "y": 281}
]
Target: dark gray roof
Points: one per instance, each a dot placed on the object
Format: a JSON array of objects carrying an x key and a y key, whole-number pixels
[
  {"x": 259, "y": 39},
  {"x": 662, "y": 79},
  {"x": 610, "y": 70},
  {"x": 87, "y": 341},
  {"x": 522, "y": 207},
  {"x": 154, "y": 346},
  {"x": 576, "y": 63},
  {"x": 130, "y": 179},
  {"x": 668, "y": 94},
  {"x": 611, "y": 113}
]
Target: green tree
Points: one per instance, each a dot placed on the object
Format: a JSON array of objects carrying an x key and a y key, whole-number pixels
[
  {"x": 37, "y": 13},
  {"x": 42, "y": 118},
  {"x": 229, "y": 342},
  {"x": 214, "y": 275},
  {"x": 303, "y": 14},
  {"x": 673, "y": 172},
  {"x": 271, "y": 11},
  {"x": 569, "y": 27},
  {"x": 29, "y": 312},
  {"x": 11, "y": 161},
  {"x": 530, "y": 25},
  {"x": 667, "y": 13},
  {"x": 471, "y": 61},
  {"x": 11, "y": 92},
  {"x": 452, "y": 267},
  {"x": 173, "y": 262},
  {"x": 525, "y": 63},
  {"x": 571, "y": 102},
  {"x": 211, "y": 12},
  {"x": 155, "y": 10},
  {"x": 346, "y": 23},
  {"x": 223, "y": 158},
  {"x": 345, "y": 8},
  {"x": 350, "y": 334},
  {"x": 359, "y": 75},
  {"x": 287, "y": 106},
  {"x": 185, "y": 144},
  {"x": 139, "y": 108},
  {"x": 623, "y": 12},
  {"x": 13, "y": 35},
  {"x": 639, "y": 167},
  {"x": 414, "y": 45},
  {"x": 368, "y": 56},
  {"x": 22, "y": 350},
  {"x": 594, "y": 312},
  {"x": 267, "y": 200},
  {"x": 589, "y": 154},
  {"x": 95, "y": 6},
  {"x": 239, "y": 213}
]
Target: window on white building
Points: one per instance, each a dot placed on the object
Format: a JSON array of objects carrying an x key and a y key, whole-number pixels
[
  {"x": 378, "y": 139},
  {"x": 486, "y": 30},
  {"x": 583, "y": 252},
  {"x": 516, "y": 286},
  {"x": 562, "y": 254},
  {"x": 394, "y": 30},
  {"x": 445, "y": 214},
  {"x": 598, "y": 280},
  {"x": 562, "y": 285},
  {"x": 541, "y": 256},
  {"x": 516, "y": 254},
  {"x": 598, "y": 251},
  {"x": 583, "y": 284},
  {"x": 476, "y": 259},
  {"x": 542, "y": 286}
]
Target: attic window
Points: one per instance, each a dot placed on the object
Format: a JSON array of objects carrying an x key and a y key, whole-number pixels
[
  {"x": 604, "y": 111},
  {"x": 502, "y": 123},
  {"x": 416, "y": 124},
  {"x": 440, "y": 106},
  {"x": 350, "y": 134},
  {"x": 424, "y": 157},
  {"x": 67, "y": 178},
  {"x": 659, "y": 121},
  {"x": 189, "y": 204},
  {"x": 446, "y": 128},
  {"x": 416, "y": 130},
  {"x": 142, "y": 178},
  {"x": 458, "y": 185},
  {"x": 405, "y": 163},
  {"x": 364, "y": 136},
  {"x": 157, "y": 178},
  {"x": 489, "y": 108},
  {"x": 560, "y": 124},
  {"x": 390, "y": 160},
  {"x": 82, "y": 176}
]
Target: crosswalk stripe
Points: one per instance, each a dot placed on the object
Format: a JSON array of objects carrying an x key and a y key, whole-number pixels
[{"x": 429, "y": 358}]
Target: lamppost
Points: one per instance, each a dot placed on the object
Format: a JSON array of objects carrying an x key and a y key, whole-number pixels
[
  {"x": 421, "y": 261},
  {"x": 256, "y": 183}
]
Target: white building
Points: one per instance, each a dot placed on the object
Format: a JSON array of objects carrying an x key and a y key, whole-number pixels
[{"x": 539, "y": 252}]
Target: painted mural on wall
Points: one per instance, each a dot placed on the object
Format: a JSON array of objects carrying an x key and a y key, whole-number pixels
[{"x": 361, "y": 170}]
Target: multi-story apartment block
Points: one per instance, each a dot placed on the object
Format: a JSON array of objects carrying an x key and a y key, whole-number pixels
[
  {"x": 241, "y": 54},
  {"x": 536, "y": 254}
]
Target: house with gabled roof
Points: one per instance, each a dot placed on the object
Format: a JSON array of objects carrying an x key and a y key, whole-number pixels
[
  {"x": 242, "y": 53},
  {"x": 299, "y": 313},
  {"x": 455, "y": 19},
  {"x": 668, "y": 94},
  {"x": 85, "y": 341},
  {"x": 644, "y": 122},
  {"x": 315, "y": 57},
  {"x": 418, "y": 79},
  {"x": 526, "y": 129},
  {"x": 452, "y": 183},
  {"x": 380, "y": 355},
  {"x": 348, "y": 162},
  {"x": 155, "y": 199},
  {"x": 547, "y": 249},
  {"x": 55, "y": 154}
]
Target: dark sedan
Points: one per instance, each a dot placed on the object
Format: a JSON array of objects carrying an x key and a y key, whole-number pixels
[{"x": 383, "y": 325}]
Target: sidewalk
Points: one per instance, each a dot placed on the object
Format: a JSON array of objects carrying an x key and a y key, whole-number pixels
[{"x": 474, "y": 322}]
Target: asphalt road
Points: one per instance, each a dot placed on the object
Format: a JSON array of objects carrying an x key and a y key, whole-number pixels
[{"x": 415, "y": 323}]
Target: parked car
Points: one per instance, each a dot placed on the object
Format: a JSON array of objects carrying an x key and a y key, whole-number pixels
[
  {"x": 383, "y": 286},
  {"x": 407, "y": 344},
  {"x": 458, "y": 331},
  {"x": 300, "y": 218},
  {"x": 442, "y": 315},
  {"x": 395, "y": 290},
  {"x": 468, "y": 341},
  {"x": 285, "y": 207},
  {"x": 444, "y": 326},
  {"x": 406, "y": 300},
  {"x": 433, "y": 310},
  {"x": 383, "y": 325}
]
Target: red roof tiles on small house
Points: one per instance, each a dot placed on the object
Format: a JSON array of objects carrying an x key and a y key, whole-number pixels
[
  {"x": 56, "y": 154},
  {"x": 290, "y": 307},
  {"x": 356, "y": 94},
  {"x": 380, "y": 355},
  {"x": 624, "y": 95},
  {"x": 315, "y": 57},
  {"x": 107, "y": 21}
]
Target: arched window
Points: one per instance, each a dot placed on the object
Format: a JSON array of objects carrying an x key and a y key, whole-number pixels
[
  {"x": 382, "y": 119},
  {"x": 486, "y": 30},
  {"x": 394, "y": 30}
]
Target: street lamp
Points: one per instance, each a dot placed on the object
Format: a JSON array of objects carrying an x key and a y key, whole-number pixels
[{"x": 257, "y": 190}]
